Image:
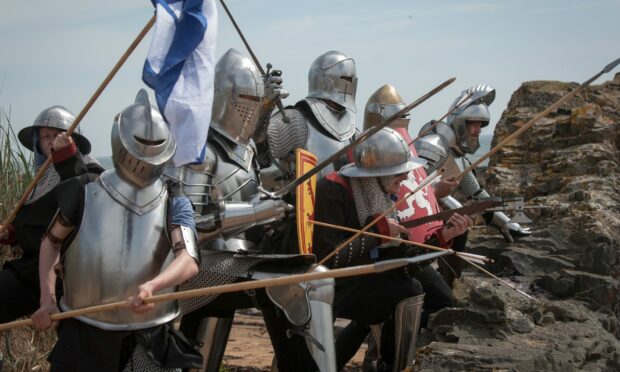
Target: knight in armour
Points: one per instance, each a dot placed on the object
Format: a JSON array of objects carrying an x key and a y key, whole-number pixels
[
  {"x": 449, "y": 144},
  {"x": 119, "y": 236},
  {"x": 322, "y": 123},
  {"x": 231, "y": 215},
  {"x": 381, "y": 105}
]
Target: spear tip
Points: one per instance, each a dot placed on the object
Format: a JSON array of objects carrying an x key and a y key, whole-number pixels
[{"x": 611, "y": 66}]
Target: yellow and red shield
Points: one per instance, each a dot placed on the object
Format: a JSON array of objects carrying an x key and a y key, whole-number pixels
[{"x": 304, "y": 203}]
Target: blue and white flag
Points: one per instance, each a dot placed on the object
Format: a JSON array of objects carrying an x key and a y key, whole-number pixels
[{"x": 179, "y": 66}]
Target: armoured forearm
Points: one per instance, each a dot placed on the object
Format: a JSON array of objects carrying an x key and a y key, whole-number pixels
[
  {"x": 449, "y": 202},
  {"x": 233, "y": 218}
]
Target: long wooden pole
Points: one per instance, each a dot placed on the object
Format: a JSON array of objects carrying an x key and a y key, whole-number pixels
[
  {"x": 359, "y": 139},
  {"x": 79, "y": 118},
  {"x": 516, "y": 134},
  {"x": 236, "y": 287},
  {"x": 403, "y": 241},
  {"x": 373, "y": 222},
  {"x": 469, "y": 258},
  {"x": 536, "y": 118}
]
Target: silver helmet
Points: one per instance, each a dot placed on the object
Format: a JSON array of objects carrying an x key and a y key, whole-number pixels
[
  {"x": 384, "y": 103},
  {"x": 332, "y": 77},
  {"x": 474, "y": 108},
  {"x": 238, "y": 93},
  {"x": 56, "y": 117},
  {"x": 385, "y": 153},
  {"x": 141, "y": 142}
]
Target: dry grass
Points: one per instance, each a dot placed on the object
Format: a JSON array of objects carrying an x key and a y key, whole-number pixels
[{"x": 23, "y": 349}]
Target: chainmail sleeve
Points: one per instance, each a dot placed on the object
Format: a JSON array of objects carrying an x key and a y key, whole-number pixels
[
  {"x": 284, "y": 138},
  {"x": 469, "y": 185}
]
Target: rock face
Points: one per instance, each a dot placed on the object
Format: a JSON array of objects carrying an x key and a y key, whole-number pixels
[{"x": 568, "y": 162}]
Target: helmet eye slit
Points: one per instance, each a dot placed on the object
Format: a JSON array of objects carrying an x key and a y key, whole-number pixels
[{"x": 147, "y": 142}]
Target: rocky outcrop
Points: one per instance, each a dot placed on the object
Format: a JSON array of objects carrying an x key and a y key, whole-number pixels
[{"x": 569, "y": 162}]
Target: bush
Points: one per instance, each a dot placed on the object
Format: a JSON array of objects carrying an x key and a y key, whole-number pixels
[{"x": 21, "y": 348}]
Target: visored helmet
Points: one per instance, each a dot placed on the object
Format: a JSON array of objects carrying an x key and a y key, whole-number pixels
[
  {"x": 384, "y": 103},
  {"x": 238, "y": 93},
  {"x": 141, "y": 142},
  {"x": 474, "y": 108},
  {"x": 385, "y": 153},
  {"x": 56, "y": 117},
  {"x": 332, "y": 77}
]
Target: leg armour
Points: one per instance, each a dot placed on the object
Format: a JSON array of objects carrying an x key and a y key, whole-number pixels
[
  {"x": 321, "y": 326},
  {"x": 407, "y": 323},
  {"x": 213, "y": 333}
]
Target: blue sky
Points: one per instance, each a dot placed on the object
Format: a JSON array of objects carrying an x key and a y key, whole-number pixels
[{"x": 58, "y": 52}]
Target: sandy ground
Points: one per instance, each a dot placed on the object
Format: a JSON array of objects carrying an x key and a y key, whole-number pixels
[{"x": 249, "y": 348}]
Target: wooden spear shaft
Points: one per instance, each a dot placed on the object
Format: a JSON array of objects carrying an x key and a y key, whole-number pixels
[
  {"x": 498, "y": 278},
  {"x": 536, "y": 118},
  {"x": 373, "y": 222},
  {"x": 79, "y": 118},
  {"x": 403, "y": 241},
  {"x": 235, "y": 287},
  {"x": 431, "y": 247}
]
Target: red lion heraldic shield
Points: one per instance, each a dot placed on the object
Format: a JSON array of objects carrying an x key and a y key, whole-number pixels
[{"x": 304, "y": 199}]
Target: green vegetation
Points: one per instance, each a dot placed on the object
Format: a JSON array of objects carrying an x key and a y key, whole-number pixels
[{"x": 22, "y": 349}]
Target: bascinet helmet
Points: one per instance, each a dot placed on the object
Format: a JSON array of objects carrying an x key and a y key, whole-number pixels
[
  {"x": 56, "y": 117},
  {"x": 385, "y": 153},
  {"x": 332, "y": 77},
  {"x": 475, "y": 108},
  {"x": 238, "y": 92},
  {"x": 384, "y": 103},
  {"x": 141, "y": 142}
]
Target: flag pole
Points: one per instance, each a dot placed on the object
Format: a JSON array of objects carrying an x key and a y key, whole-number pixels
[{"x": 79, "y": 118}]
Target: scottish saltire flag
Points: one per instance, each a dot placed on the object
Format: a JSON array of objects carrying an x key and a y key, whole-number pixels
[{"x": 179, "y": 67}]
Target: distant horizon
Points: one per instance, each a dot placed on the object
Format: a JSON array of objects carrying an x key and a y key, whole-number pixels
[{"x": 59, "y": 52}]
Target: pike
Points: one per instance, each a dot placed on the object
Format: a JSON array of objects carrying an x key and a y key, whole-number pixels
[
  {"x": 361, "y": 138},
  {"x": 474, "y": 257},
  {"x": 254, "y": 58},
  {"x": 79, "y": 118},
  {"x": 528, "y": 125},
  {"x": 235, "y": 287},
  {"x": 539, "y": 116},
  {"x": 382, "y": 215}
]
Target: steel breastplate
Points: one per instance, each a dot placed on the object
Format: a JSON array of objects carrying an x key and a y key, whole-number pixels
[
  {"x": 232, "y": 181},
  {"x": 323, "y": 147},
  {"x": 114, "y": 252}
]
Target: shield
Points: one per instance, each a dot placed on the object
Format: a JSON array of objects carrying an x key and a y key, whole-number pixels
[{"x": 304, "y": 199}]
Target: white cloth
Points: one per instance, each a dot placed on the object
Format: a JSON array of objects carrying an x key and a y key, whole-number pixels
[{"x": 180, "y": 68}]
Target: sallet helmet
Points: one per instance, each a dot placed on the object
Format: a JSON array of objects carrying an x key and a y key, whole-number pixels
[{"x": 141, "y": 142}]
